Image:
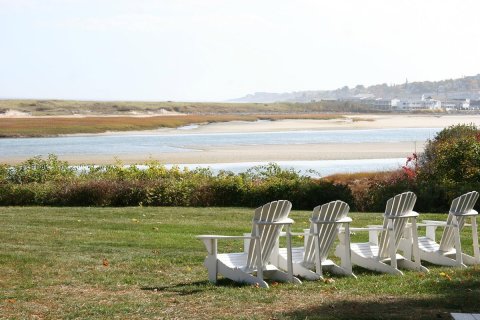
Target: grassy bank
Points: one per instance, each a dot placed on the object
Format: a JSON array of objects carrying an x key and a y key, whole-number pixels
[
  {"x": 41, "y": 127},
  {"x": 72, "y": 107},
  {"x": 133, "y": 263}
]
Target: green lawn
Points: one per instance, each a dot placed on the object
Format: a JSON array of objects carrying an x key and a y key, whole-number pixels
[{"x": 134, "y": 263}]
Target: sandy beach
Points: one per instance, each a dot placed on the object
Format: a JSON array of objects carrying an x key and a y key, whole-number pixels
[
  {"x": 349, "y": 122},
  {"x": 264, "y": 153},
  {"x": 248, "y": 153}
]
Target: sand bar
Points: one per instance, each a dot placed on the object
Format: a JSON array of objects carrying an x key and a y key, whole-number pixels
[
  {"x": 267, "y": 153},
  {"x": 350, "y": 122}
]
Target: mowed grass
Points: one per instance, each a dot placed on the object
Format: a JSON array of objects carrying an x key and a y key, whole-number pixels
[
  {"x": 135, "y": 263},
  {"x": 52, "y": 126}
]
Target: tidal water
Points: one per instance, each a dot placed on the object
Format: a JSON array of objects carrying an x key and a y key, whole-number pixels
[
  {"x": 117, "y": 145},
  {"x": 314, "y": 168},
  {"x": 145, "y": 144}
]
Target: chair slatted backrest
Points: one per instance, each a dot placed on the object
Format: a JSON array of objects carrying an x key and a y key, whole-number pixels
[
  {"x": 459, "y": 208},
  {"x": 329, "y": 212},
  {"x": 400, "y": 205},
  {"x": 270, "y": 212}
]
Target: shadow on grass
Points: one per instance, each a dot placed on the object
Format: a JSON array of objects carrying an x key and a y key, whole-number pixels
[
  {"x": 388, "y": 308},
  {"x": 444, "y": 297},
  {"x": 190, "y": 288}
]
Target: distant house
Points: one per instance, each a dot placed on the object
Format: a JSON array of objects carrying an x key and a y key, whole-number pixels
[
  {"x": 423, "y": 104},
  {"x": 456, "y": 104}
]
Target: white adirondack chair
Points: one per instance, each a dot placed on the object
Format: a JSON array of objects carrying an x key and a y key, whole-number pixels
[
  {"x": 325, "y": 223},
  {"x": 252, "y": 266},
  {"x": 384, "y": 240},
  {"x": 449, "y": 251}
]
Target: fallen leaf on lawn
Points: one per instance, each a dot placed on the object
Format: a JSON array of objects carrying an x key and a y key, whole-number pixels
[
  {"x": 105, "y": 263},
  {"x": 445, "y": 275}
]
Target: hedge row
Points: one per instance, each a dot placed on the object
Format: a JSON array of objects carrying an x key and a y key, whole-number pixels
[{"x": 52, "y": 182}]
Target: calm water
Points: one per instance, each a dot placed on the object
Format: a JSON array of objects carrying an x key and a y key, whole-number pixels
[
  {"x": 316, "y": 168},
  {"x": 181, "y": 142},
  {"x": 154, "y": 144}
]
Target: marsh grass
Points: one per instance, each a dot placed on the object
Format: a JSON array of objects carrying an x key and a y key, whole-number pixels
[
  {"x": 39, "y": 127},
  {"x": 134, "y": 263}
]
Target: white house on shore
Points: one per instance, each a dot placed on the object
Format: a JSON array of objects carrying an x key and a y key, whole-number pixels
[
  {"x": 423, "y": 104},
  {"x": 416, "y": 104}
]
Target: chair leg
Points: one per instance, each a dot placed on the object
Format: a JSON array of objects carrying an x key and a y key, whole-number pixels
[
  {"x": 318, "y": 262},
  {"x": 476, "y": 251},
  {"x": 458, "y": 245},
  {"x": 346, "y": 260},
  {"x": 212, "y": 267}
]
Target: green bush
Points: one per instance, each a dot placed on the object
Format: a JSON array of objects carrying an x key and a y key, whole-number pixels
[
  {"x": 51, "y": 182},
  {"x": 37, "y": 170},
  {"x": 453, "y": 157},
  {"x": 449, "y": 167}
]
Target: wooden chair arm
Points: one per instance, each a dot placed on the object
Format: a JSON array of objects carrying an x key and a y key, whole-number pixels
[
  {"x": 286, "y": 221},
  {"x": 208, "y": 237},
  {"x": 210, "y": 241}
]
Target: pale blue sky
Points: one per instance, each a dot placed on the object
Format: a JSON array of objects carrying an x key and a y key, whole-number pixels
[{"x": 213, "y": 50}]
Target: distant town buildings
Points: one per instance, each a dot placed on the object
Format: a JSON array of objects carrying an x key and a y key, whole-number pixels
[
  {"x": 425, "y": 103},
  {"x": 449, "y": 95}
]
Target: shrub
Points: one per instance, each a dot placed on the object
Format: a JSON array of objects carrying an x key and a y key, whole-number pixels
[
  {"x": 37, "y": 170},
  {"x": 52, "y": 182},
  {"x": 449, "y": 167},
  {"x": 452, "y": 157}
]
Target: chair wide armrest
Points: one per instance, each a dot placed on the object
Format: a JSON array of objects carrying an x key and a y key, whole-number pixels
[
  {"x": 210, "y": 241},
  {"x": 343, "y": 220},
  {"x": 432, "y": 223},
  {"x": 211, "y": 237},
  {"x": 285, "y": 221},
  {"x": 284, "y": 234},
  {"x": 368, "y": 229}
]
